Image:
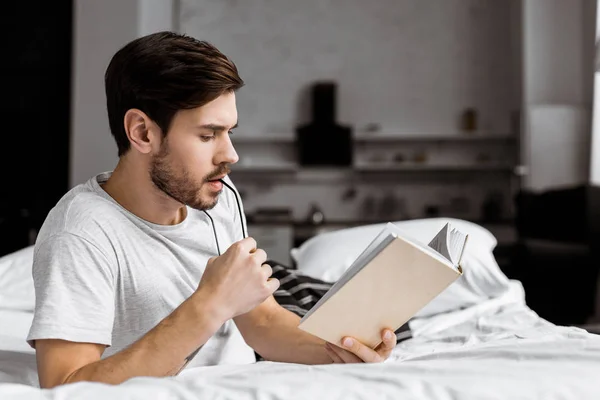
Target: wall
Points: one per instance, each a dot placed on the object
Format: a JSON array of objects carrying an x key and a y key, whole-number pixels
[
  {"x": 553, "y": 57},
  {"x": 409, "y": 65},
  {"x": 101, "y": 28},
  {"x": 595, "y": 145},
  {"x": 560, "y": 91},
  {"x": 156, "y": 16},
  {"x": 444, "y": 58},
  {"x": 557, "y": 93},
  {"x": 594, "y": 192}
]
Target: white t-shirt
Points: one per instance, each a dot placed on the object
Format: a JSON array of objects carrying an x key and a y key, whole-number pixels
[{"x": 103, "y": 275}]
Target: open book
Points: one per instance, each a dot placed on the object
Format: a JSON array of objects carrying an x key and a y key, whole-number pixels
[{"x": 389, "y": 282}]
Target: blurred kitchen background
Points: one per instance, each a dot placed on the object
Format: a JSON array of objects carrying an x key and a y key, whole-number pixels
[{"x": 353, "y": 113}]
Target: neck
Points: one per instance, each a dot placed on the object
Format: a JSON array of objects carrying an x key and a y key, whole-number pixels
[{"x": 131, "y": 187}]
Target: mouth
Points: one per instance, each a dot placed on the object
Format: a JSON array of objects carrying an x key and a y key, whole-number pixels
[
  {"x": 216, "y": 183},
  {"x": 217, "y": 179}
]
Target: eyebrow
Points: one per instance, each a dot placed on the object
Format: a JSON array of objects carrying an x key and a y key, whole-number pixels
[{"x": 215, "y": 127}]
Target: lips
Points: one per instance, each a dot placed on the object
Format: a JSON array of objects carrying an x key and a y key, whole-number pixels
[
  {"x": 218, "y": 178},
  {"x": 215, "y": 185}
]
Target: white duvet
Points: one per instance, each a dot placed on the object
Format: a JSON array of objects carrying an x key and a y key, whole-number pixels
[
  {"x": 498, "y": 349},
  {"x": 476, "y": 340}
]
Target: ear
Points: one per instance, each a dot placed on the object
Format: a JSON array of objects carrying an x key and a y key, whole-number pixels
[{"x": 143, "y": 134}]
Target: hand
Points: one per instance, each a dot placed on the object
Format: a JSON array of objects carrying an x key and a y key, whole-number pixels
[
  {"x": 356, "y": 352},
  {"x": 238, "y": 280}
]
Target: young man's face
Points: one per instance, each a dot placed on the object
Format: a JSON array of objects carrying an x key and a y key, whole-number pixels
[{"x": 196, "y": 152}]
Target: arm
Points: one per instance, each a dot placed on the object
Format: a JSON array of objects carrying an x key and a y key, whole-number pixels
[
  {"x": 272, "y": 331},
  {"x": 232, "y": 284},
  {"x": 160, "y": 352}
]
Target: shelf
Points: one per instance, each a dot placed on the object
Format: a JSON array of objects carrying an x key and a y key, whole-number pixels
[
  {"x": 434, "y": 168},
  {"x": 461, "y": 138},
  {"x": 264, "y": 168},
  {"x": 263, "y": 139},
  {"x": 381, "y": 137},
  {"x": 298, "y": 175},
  {"x": 331, "y": 171}
]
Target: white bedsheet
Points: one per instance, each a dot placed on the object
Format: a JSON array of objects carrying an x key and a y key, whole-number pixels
[
  {"x": 498, "y": 349},
  {"x": 17, "y": 358}
]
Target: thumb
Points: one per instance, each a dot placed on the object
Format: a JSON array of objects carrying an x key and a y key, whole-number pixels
[{"x": 211, "y": 260}]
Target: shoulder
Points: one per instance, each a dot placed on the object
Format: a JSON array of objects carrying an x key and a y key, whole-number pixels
[
  {"x": 77, "y": 237},
  {"x": 81, "y": 212}
]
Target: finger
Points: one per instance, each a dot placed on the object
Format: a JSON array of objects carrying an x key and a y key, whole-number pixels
[
  {"x": 363, "y": 352},
  {"x": 272, "y": 284},
  {"x": 267, "y": 270},
  {"x": 346, "y": 356},
  {"x": 260, "y": 256},
  {"x": 248, "y": 244},
  {"x": 388, "y": 344},
  {"x": 333, "y": 355}
]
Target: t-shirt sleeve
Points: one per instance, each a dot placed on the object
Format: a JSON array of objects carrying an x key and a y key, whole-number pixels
[{"x": 74, "y": 289}]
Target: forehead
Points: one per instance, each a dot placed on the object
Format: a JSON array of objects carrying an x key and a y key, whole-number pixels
[{"x": 220, "y": 111}]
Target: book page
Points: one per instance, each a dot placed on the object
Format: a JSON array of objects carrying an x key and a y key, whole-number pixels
[
  {"x": 457, "y": 242},
  {"x": 427, "y": 248},
  {"x": 440, "y": 243},
  {"x": 450, "y": 243}
]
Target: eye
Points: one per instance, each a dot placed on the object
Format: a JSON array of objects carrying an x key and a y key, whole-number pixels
[
  {"x": 207, "y": 138},
  {"x": 230, "y": 133}
]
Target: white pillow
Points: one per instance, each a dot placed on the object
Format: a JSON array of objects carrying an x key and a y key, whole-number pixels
[
  {"x": 326, "y": 256},
  {"x": 16, "y": 282}
]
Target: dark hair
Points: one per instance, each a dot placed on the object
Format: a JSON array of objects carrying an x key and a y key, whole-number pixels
[{"x": 163, "y": 73}]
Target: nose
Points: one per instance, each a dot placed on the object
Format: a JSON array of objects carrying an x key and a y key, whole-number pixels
[{"x": 226, "y": 153}]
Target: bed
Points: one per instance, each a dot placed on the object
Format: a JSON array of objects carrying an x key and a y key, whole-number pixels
[{"x": 476, "y": 340}]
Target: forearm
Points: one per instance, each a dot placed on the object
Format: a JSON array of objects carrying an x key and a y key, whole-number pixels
[
  {"x": 277, "y": 338},
  {"x": 160, "y": 352}
]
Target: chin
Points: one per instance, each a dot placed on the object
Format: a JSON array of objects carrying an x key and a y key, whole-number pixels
[
  {"x": 212, "y": 204},
  {"x": 207, "y": 202}
]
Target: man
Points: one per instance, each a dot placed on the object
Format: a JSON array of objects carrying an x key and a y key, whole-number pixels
[{"x": 129, "y": 276}]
